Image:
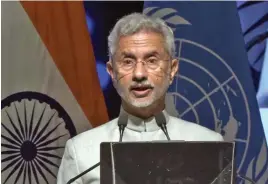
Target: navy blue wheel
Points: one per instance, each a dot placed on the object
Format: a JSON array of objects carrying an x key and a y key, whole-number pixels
[{"x": 35, "y": 128}]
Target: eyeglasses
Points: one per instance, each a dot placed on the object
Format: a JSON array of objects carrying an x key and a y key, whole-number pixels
[{"x": 150, "y": 63}]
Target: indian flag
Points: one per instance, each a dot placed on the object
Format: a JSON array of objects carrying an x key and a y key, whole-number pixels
[{"x": 50, "y": 88}]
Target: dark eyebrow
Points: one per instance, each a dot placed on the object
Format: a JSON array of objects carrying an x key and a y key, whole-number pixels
[
  {"x": 150, "y": 54},
  {"x": 128, "y": 55},
  {"x": 125, "y": 54}
]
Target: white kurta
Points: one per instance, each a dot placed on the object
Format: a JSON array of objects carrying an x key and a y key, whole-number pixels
[{"x": 83, "y": 151}]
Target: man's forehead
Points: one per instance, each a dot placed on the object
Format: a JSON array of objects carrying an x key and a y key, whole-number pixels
[
  {"x": 145, "y": 52},
  {"x": 141, "y": 53},
  {"x": 141, "y": 44},
  {"x": 141, "y": 38}
]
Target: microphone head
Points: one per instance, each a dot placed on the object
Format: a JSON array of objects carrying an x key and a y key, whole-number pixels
[
  {"x": 160, "y": 119},
  {"x": 122, "y": 119}
]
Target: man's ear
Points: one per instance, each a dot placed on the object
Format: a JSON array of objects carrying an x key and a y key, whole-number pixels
[
  {"x": 110, "y": 69},
  {"x": 174, "y": 69}
]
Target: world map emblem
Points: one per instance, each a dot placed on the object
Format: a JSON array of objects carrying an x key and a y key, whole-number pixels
[
  {"x": 207, "y": 91},
  {"x": 200, "y": 95}
]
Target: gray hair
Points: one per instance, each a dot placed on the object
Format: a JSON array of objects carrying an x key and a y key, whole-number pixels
[{"x": 137, "y": 22}]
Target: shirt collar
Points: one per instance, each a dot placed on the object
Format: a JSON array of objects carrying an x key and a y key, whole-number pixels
[{"x": 140, "y": 125}]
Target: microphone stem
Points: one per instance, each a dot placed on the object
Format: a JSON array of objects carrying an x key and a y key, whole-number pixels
[
  {"x": 245, "y": 178},
  {"x": 84, "y": 172},
  {"x": 120, "y": 140},
  {"x": 164, "y": 128},
  {"x": 168, "y": 138},
  {"x": 121, "y": 130}
]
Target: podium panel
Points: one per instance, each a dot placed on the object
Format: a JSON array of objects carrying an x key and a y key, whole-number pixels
[{"x": 167, "y": 163}]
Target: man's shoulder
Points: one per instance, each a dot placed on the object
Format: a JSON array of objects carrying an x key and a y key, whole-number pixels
[
  {"x": 97, "y": 134},
  {"x": 194, "y": 132}
]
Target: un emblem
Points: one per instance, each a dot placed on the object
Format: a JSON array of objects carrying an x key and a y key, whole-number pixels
[
  {"x": 208, "y": 92},
  {"x": 202, "y": 95}
]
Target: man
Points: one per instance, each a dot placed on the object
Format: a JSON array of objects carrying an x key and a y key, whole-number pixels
[{"x": 142, "y": 65}]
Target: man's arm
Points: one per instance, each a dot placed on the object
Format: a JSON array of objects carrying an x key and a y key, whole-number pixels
[{"x": 68, "y": 168}]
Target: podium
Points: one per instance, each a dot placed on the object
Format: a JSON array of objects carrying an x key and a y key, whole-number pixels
[{"x": 172, "y": 162}]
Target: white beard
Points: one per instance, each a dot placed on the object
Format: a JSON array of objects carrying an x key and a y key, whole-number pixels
[{"x": 157, "y": 93}]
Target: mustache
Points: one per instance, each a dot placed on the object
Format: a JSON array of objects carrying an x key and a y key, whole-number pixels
[{"x": 144, "y": 84}]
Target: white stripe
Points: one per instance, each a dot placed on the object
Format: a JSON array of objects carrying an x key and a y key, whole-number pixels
[{"x": 28, "y": 66}]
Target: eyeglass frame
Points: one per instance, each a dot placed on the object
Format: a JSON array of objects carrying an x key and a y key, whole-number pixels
[{"x": 144, "y": 62}]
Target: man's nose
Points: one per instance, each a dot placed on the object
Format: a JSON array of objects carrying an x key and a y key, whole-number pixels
[{"x": 140, "y": 72}]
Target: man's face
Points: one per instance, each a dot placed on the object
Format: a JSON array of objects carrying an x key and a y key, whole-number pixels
[{"x": 142, "y": 69}]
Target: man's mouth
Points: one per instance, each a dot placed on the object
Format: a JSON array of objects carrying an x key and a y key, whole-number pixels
[{"x": 141, "y": 91}]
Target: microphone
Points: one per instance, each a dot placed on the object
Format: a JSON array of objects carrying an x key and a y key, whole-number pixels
[
  {"x": 161, "y": 122},
  {"x": 122, "y": 123}
]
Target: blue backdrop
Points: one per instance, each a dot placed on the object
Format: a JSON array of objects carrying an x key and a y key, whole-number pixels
[{"x": 214, "y": 87}]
